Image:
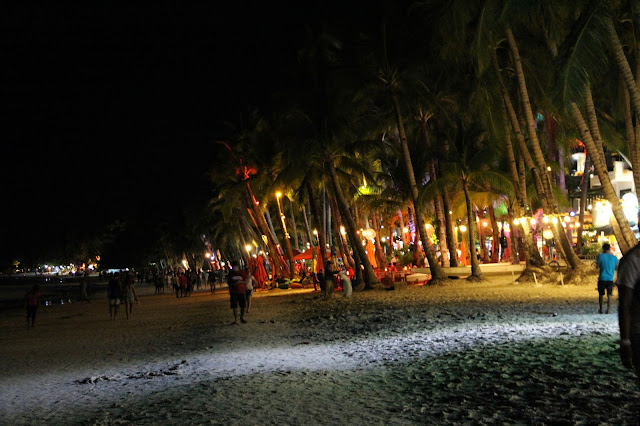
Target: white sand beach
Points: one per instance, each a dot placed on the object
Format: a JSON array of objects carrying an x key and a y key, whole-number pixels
[{"x": 493, "y": 352}]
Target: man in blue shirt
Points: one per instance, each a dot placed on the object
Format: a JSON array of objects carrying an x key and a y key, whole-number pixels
[{"x": 607, "y": 264}]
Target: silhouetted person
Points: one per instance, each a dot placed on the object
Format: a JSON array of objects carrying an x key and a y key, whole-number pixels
[
  {"x": 114, "y": 294},
  {"x": 31, "y": 304},
  {"x": 236, "y": 280},
  {"x": 629, "y": 309}
]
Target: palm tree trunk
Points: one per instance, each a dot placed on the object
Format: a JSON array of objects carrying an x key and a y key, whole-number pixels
[
  {"x": 359, "y": 284},
  {"x": 436, "y": 271},
  {"x": 414, "y": 241},
  {"x": 594, "y": 128},
  {"x": 270, "y": 223},
  {"x": 452, "y": 242},
  {"x": 315, "y": 212},
  {"x": 532, "y": 254},
  {"x": 342, "y": 244},
  {"x": 522, "y": 144},
  {"x": 627, "y": 238},
  {"x": 437, "y": 202},
  {"x": 293, "y": 225},
  {"x": 475, "y": 264},
  {"x": 287, "y": 242},
  {"x": 308, "y": 229},
  {"x": 370, "y": 278},
  {"x": 495, "y": 246},
  {"x": 278, "y": 265},
  {"x": 632, "y": 141},
  {"x": 382, "y": 261},
  {"x": 484, "y": 253},
  {"x": 513, "y": 237},
  {"x": 623, "y": 64},
  {"x": 403, "y": 236},
  {"x": 584, "y": 186},
  {"x": 529, "y": 120}
]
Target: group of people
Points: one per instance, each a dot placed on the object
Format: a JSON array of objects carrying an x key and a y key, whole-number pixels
[
  {"x": 121, "y": 289},
  {"x": 329, "y": 278},
  {"x": 183, "y": 282},
  {"x": 241, "y": 284}
]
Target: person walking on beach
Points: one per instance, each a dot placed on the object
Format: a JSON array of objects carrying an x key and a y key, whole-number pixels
[
  {"x": 83, "y": 287},
  {"x": 236, "y": 280},
  {"x": 114, "y": 294},
  {"x": 329, "y": 277},
  {"x": 129, "y": 295},
  {"x": 31, "y": 304},
  {"x": 251, "y": 284},
  {"x": 629, "y": 309},
  {"x": 606, "y": 263},
  {"x": 212, "y": 281},
  {"x": 183, "y": 284}
]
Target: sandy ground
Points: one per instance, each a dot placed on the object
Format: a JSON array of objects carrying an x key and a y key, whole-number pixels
[{"x": 466, "y": 353}]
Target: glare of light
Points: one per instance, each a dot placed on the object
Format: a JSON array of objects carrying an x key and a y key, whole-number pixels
[
  {"x": 533, "y": 222},
  {"x": 554, "y": 220},
  {"x": 548, "y": 168},
  {"x": 630, "y": 207},
  {"x": 207, "y": 255},
  {"x": 343, "y": 231},
  {"x": 589, "y": 207},
  {"x": 629, "y": 200},
  {"x": 383, "y": 239},
  {"x": 315, "y": 232},
  {"x": 405, "y": 230},
  {"x": 248, "y": 247},
  {"x": 572, "y": 214},
  {"x": 523, "y": 221},
  {"x": 450, "y": 212},
  {"x": 278, "y": 194},
  {"x": 463, "y": 228},
  {"x": 545, "y": 219},
  {"x": 222, "y": 263},
  {"x": 547, "y": 234},
  {"x": 484, "y": 223},
  {"x": 577, "y": 224}
]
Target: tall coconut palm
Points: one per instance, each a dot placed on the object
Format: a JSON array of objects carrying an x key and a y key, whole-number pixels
[{"x": 468, "y": 162}]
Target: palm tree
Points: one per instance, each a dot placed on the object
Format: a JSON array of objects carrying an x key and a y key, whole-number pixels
[{"x": 468, "y": 162}]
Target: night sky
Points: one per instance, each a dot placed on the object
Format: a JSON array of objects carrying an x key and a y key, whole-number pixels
[{"x": 111, "y": 110}]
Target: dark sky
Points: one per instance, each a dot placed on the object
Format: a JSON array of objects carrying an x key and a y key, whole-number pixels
[{"x": 111, "y": 108}]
